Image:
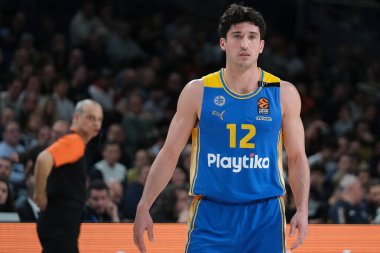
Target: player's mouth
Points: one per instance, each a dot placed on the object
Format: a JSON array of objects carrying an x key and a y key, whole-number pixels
[{"x": 244, "y": 54}]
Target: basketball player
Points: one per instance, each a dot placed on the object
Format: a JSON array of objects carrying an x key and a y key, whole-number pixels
[
  {"x": 239, "y": 117},
  {"x": 60, "y": 174}
]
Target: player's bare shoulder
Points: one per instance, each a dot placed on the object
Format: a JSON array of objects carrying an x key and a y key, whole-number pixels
[
  {"x": 290, "y": 98},
  {"x": 192, "y": 94}
]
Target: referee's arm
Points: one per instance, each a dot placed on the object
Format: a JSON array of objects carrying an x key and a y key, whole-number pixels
[{"x": 44, "y": 165}]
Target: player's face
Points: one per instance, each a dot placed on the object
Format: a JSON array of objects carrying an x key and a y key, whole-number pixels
[{"x": 243, "y": 44}]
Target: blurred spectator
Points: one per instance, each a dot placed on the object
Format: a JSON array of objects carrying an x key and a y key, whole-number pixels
[
  {"x": 115, "y": 134},
  {"x": 28, "y": 105},
  {"x": 134, "y": 192},
  {"x": 84, "y": 24},
  {"x": 49, "y": 111},
  {"x": 325, "y": 155},
  {"x": 9, "y": 97},
  {"x": 320, "y": 191},
  {"x": 59, "y": 51},
  {"x": 99, "y": 206},
  {"x": 6, "y": 198},
  {"x": 26, "y": 208},
  {"x": 32, "y": 129},
  {"x": 64, "y": 106},
  {"x": 344, "y": 123},
  {"x": 122, "y": 48},
  {"x": 350, "y": 208},
  {"x": 374, "y": 201},
  {"x": 345, "y": 165},
  {"x": 142, "y": 158},
  {"x": 75, "y": 59},
  {"x": 48, "y": 76},
  {"x": 102, "y": 91},
  {"x": 9, "y": 145},
  {"x": 172, "y": 205},
  {"x": 137, "y": 126},
  {"x": 179, "y": 177},
  {"x": 5, "y": 168},
  {"x": 7, "y": 115},
  {"x": 110, "y": 166},
  {"x": 78, "y": 89},
  {"x": 116, "y": 190}
]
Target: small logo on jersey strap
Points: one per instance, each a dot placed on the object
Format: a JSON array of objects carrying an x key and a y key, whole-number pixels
[
  {"x": 220, "y": 115},
  {"x": 263, "y": 106},
  {"x": 219, "y": 100}
]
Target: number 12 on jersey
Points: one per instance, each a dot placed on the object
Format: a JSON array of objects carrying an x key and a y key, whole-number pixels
[{"x": 244, "y": 142}]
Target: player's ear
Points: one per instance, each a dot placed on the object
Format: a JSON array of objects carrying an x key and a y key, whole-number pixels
[
  {"x": 222, "y": 43},
  {"x": 262, "y": 44}
]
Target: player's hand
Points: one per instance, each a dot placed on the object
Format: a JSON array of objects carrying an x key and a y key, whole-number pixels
[
  {"x": 41, "y": 200},
  {"x": 143, "y": 221},
  {"x": 299, "y": 221}
]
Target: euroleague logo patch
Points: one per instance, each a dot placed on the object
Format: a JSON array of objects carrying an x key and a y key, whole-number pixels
[{"x": 263, "y": 106}]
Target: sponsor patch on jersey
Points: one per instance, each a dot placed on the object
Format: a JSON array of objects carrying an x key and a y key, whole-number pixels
[
  {"x": 219, "y": 100},
  {"x": 263, "y": 106},
  {"x": 263, "y": 118}
]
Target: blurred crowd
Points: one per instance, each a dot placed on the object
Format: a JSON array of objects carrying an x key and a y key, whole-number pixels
[{"x": 134, "y": 60}]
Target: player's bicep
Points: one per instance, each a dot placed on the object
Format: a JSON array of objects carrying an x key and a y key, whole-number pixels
[{"x": 293, "y": 130}]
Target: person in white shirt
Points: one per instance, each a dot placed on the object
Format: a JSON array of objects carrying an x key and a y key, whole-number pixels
[{"x": 110, "y": 167}]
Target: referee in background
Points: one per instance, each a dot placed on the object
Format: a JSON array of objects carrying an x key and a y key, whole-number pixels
[{"x": 60, "y": 175}]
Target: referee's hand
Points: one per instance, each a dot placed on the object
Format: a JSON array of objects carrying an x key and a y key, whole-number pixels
[
  {"x": 143, "y": 221},
  {"x": 41, "y": 200}
]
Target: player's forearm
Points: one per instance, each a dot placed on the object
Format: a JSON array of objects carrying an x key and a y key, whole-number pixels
[
  {"x": 159, "y": 176},
  {"x": 43, "y": 168},
  {"x": 299, "y": 179}
]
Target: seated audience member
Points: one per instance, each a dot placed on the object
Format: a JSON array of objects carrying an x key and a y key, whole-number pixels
[
  {"x": 172, "y": 205},
  {"x": 374, "y": 201},
  {"x": 134, "y": 192},
  {"x": 349, "y": 208},
  {"x": 6, "y": 197},
  {"x": 110, "y": 166},
  {"x": 5, "y": 168},
  {"x": 99, "y": 206},
  {"x": 116, "y": 190},
  {"x": 10, "y": 145},
  {"x": 179, "y": 177},
  {"x": 26, "y": 208},
  {"x": 320, "y": 192},
  {"x": 142, "y": 157}
]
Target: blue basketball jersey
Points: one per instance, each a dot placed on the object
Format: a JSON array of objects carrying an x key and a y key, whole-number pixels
[{"x": 237, "y": 144}]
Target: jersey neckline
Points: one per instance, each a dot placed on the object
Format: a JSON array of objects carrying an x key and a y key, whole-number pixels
[{"x": 239, "y": 95}]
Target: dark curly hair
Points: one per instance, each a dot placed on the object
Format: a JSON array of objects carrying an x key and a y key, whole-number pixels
[{"x": 238, "y": 13}]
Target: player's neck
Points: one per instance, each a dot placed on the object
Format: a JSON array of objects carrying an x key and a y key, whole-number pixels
[{"x": 242, "y": 80}]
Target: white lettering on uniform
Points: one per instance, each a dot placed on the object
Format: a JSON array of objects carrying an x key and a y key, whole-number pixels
[{"x": 237, "y": 163}]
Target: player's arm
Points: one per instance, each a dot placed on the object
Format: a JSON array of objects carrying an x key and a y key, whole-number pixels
[
  {"x": 163, "y": 167},
  {"x": 298, "y": 168},
  {"x": 43, "y": 167}
]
